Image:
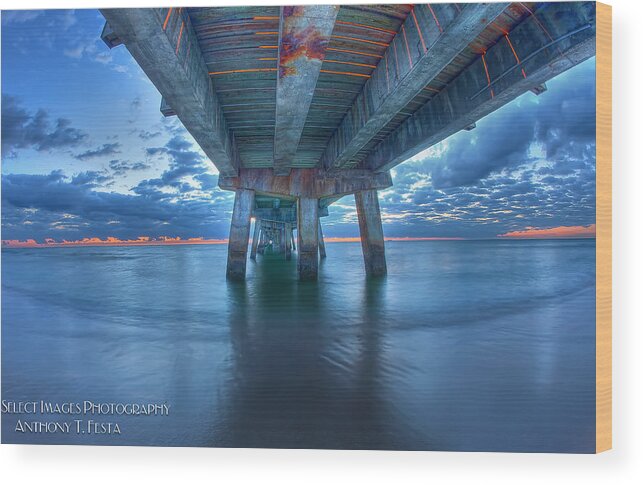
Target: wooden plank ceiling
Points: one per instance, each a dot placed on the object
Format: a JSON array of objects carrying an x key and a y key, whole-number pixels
[{"x": 240, "y": 48}]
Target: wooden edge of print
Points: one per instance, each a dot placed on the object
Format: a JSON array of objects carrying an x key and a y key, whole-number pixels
[{"x": 603, "y": 227}]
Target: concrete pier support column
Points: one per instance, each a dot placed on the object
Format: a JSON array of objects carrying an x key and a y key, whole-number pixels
[
  {"x": 262, "y": 239},
  {"x": 288, "y": 240},
  {"x": 282, "y": 238},
  {"x": 282, "y": 241},
  {"x": 239, "y": 232},
  {"x": 255, "y": 239},
  {"x": 322, "y": 245},
  {"x": 307, "y": 239},
  {"x": 372, "y": 235},
  {"x": 276, "y": 237}
]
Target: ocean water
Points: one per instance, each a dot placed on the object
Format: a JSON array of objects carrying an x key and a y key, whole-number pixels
[{"x": 465, "y": 345}]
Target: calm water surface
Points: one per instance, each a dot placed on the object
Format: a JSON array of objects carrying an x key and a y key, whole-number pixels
[{"x": 465, "y": 345}]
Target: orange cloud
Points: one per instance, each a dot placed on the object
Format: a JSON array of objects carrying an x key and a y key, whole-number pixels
[
  {"x": 111, "y": 241},
  {"x": 553, "y": 232},
  {"x": 165, "y": 241}
]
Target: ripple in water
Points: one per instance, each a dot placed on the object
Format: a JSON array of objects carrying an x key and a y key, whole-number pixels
[{"x": 465, "y": 345}]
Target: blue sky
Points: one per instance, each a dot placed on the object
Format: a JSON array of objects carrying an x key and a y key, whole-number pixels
[{"x": 86, "y": 153}]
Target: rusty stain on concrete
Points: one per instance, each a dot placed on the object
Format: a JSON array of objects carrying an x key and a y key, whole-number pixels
[{"x": 307, "y": 44}]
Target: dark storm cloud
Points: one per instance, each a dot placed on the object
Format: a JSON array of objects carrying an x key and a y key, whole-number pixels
[
  {"x": 532, "y": 163},
  {"x": 504, "y": 143},
  {"x": 566, "y": 120},
  {"x": 54, "y": 205},
  {"x": 22, "y": 129},
  {"x": 105, "y": 150},
  {"x": 562, "y": 122},
  {"x": 39, "y": 206}
]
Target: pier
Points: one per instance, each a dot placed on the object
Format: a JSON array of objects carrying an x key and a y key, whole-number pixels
[{"x": 298, "y": 106}]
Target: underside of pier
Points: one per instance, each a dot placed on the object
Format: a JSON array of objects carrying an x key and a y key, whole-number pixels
[{"x": 300, "y": 106}]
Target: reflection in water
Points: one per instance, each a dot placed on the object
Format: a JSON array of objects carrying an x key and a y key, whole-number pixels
[
  {"x": 463, "y": 346},
  {"x": 299, "y": 381}
]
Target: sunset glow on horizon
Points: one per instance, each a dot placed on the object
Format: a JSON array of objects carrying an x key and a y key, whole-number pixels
[
  {"x": 170, "y": 241},
  {"x": 553, "y": 232},
  {"x": 111, "y": 241},
  {"x": 527, "y": 233}
]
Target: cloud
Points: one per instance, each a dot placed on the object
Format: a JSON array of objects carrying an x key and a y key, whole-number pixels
[
  {"x": 560, "y": 123},
  {"x": 148, "y": 135},
  {"x": 70, "y": 208},
  {"x": 136, "y": 104},
  {"x": 75, "y": 52},
  {"x": 183, "y": 201},
  {"x": 532, "y": 194},
  {"x": 82, "y": 46},
  {"x": 121, "y": 167},
  {"x": 188, "y": 171},
  {"x": 207, "y": 181},
  {"x": 92, "y": 178},
  {"x": 67, "y": 18},
  {"x": 104, "y": 57},
  {"x": 19, "y": 16},
  {"x": 135, "y": 108},
  {"x": 106, "y": 149},
  {"x": 553, "y": 232},
  {"x": 54, "y": 32},
  {"x": 22, "y": 129},
  {"x": 530, "y": 164},
  {"x": 468, "y": 159}
]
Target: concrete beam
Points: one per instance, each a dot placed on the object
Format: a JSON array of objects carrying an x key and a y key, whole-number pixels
[
  {"x": 306, "y": 182},
  {"x": 109, "y": 37},
  {"x": 523, "y": 60},
  {"x": 540, "y": 89},
  {"x": 163, "y": 43},
  {"x": 287, "y": 214},
  {"x": 284, "y": 214},
  {"x": 372, "y": 235},
  {"x": 304, "y": 33},
  {"x": 166, "y": 109},
  {"x": 239, "y": 232},
  {"x": 307, "y": 238},
  {"x": 430, "y": 38}
]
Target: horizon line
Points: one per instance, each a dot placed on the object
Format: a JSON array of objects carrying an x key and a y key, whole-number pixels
[{"x": 115, "y": 242}]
